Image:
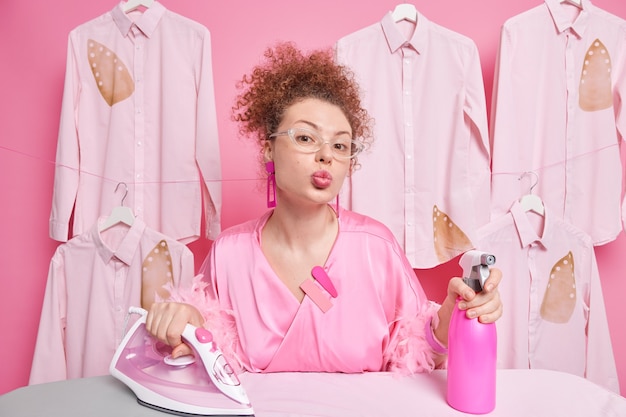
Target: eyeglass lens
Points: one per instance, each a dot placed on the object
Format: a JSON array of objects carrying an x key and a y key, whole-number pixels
[{"x": 311, "y": 142}]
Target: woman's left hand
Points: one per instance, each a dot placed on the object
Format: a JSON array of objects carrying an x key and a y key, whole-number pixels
[{"x": 486, "y": 305}]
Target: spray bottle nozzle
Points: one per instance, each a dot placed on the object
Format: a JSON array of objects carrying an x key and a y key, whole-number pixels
[{"x": 475, "y": 266}]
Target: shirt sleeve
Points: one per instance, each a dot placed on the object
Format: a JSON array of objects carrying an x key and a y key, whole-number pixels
[
  {"x": 187, "y": 265},
  {"x": 207, "y": 142},
  {"x": 502, "y": 125},
  {"x": 345, "y": 195},
  {"x": 67, "y": 167},
  {"x": 620, "y": 106},
  {"x": 600, "y": 360},
  {"x": 479, "y": 149},
  {"x": 49, "y": 362},
  {"x": 620, "y": 85}
]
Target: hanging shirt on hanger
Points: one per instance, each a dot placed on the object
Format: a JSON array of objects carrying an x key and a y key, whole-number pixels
[
  {"x": 92, "y": 281},
  {"x": 555, "y": 314},
  {"x": 557, "y": 110},
  {"x": 427, "y": 174},
  {"x": 139, "y": 108}
]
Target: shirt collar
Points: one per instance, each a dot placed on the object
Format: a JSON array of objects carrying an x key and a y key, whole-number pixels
[
  {"x": 395, "y": 38},
  {"x": 127, "y": 248},
  {"x": 147, "y": 22},
  {"x": 562, "y": 19},
  {"x": 526, "y": 230}
]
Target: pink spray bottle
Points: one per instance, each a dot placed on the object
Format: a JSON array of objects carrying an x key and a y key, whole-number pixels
[{"x": 472, "y": 346}]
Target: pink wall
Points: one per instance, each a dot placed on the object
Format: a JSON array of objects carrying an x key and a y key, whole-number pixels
[{"x": 33, "y": 39}]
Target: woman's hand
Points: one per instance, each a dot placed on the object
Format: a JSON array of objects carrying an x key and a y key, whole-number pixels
[
  {"x": 485, "y": 305},
  {"x": 166, "y": 322}
]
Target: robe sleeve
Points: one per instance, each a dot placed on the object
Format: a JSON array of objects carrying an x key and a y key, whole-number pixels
[
  {"x": 220, "y": 322},
  {"x": 413, "y": 348}
]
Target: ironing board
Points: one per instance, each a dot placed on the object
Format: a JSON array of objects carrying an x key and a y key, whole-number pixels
[{"x": 524, "y": 393}]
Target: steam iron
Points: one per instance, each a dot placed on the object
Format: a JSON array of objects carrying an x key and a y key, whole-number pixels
[{"x": 200, "y": 385}]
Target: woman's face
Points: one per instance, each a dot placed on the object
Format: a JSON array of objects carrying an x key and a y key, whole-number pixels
[{"x": 313, "y": 177}]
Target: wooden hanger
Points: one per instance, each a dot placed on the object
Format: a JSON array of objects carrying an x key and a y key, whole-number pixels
[
  {"x": 119, "y": 214},
  {"x": 404, "y": 11},
  {"x": 530, "y": 201},
  {"x": 131, "y": 5}
]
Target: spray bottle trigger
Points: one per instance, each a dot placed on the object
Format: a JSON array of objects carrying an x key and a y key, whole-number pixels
[
  {"x": 475, "y": 266},
  {"x": 477, "y": 277}
]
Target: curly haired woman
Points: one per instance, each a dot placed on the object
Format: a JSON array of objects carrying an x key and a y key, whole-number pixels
[{"x": 309, "y": 286}]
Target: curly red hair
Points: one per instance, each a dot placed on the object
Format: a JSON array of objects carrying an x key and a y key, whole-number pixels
[{"x": 287, "y": 76}]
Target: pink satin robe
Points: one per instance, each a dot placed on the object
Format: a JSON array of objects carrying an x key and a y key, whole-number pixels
[{"x": 377, "y": 322}]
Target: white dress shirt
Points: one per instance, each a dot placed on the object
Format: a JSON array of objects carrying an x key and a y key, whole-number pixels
[
  {"x": 138, "y": 108},
  {"x": 427, "y": 173},
  {"x": 558, "y": 111},
  {"x": 554, "y": 307}
]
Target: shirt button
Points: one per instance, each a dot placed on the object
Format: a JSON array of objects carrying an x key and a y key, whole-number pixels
[{"x": 409, "y": 157}]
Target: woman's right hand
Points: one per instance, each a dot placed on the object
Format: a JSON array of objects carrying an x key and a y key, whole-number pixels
[{"x": 166, "y": 322}]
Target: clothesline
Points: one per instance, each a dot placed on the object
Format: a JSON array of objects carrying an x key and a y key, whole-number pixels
[
  {"x": 118, "y": 181},
  {"x": 555, "y": 164},
  {"x": 536, "y": 169}
]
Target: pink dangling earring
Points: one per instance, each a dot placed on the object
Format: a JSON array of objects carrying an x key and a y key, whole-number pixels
[{"x": 271, "y": 184}]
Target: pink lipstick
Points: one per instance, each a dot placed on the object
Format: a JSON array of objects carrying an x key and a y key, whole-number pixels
[{"x": 321, "y": 179}]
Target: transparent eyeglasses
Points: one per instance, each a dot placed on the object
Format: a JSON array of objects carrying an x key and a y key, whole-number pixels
[{"x": 310, "y": 141}]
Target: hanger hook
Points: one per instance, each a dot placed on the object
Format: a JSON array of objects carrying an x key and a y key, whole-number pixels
[
  {"x": 125, "y": 191},
  {"x": 534, "y": 184}
]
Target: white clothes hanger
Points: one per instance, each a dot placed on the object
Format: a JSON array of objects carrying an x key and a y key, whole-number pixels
[
  {"x": 404, "y": 11},
  {"x": 131, "y": 5},
  {"x": 577, "y": 3},
  {"x": 119, "y": 214},
  {"x": 530, "y": 201}
]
